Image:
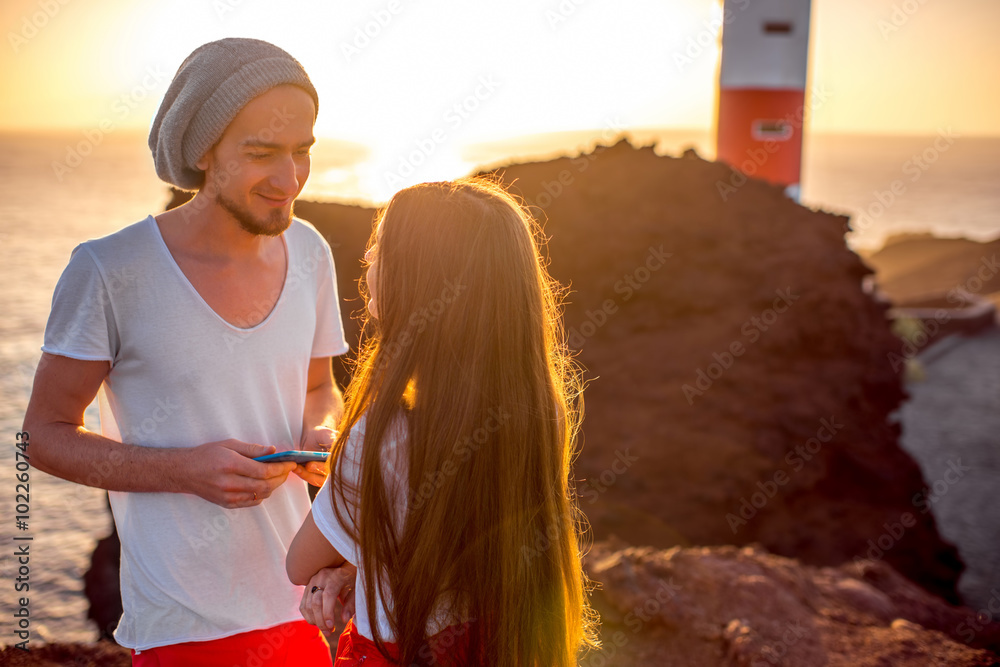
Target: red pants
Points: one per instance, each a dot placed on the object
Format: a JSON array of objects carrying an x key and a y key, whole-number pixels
[
  {"x": 289, "y": 644},
  {"x": 449, "y": 648}
]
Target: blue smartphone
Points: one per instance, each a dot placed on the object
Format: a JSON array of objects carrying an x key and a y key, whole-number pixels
[{"x": 296, "y": 455}]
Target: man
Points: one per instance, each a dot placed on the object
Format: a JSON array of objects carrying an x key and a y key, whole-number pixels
[{"x": 207, "y": 332}]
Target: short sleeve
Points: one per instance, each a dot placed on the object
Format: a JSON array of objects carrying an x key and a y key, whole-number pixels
[
  {"x": 81, "y": 323},
  {"x": 329, "y": 340},
  {"x": 394, "y": 473},
  {"x": 322, "y": 508}
]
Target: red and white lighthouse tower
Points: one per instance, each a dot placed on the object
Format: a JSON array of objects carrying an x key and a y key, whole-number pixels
[{"x": 765, "y": 55}]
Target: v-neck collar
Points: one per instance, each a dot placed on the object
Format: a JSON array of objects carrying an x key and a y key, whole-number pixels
[{"x": 180, "y": 272}]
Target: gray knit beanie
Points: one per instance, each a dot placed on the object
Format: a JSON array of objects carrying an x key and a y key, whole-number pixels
[{"x": 215, "y": 82}]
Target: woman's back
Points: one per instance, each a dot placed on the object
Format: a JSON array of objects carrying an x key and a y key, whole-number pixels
[
  {"x": 465, "y": 340},
  {"x": 394, "y": 463}
]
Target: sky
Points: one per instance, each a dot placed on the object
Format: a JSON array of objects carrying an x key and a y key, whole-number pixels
[
  {"x": 443, "y": 77},
  {"x": 390, "y": 67}
]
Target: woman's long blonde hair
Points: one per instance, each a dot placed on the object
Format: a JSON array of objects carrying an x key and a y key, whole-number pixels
[{"x": 469, "y": 347}]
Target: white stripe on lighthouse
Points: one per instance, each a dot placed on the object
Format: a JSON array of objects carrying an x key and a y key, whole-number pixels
[{"x": 765, "y": 44}]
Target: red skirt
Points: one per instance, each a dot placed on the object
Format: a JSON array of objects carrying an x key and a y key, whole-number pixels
[{"x": 449, "y": 648}]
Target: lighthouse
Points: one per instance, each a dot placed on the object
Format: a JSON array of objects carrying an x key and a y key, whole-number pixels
[{"x": 762, "y": 81}]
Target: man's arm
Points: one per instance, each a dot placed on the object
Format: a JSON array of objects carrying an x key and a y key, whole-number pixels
[
  {"x": 324, "y": 402},
  {"x": 324, "y": 408},
  {"x": 220, "y": 472}
]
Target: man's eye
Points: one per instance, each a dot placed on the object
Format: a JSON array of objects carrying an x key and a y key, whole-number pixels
[{"x": 258, "y": 156}]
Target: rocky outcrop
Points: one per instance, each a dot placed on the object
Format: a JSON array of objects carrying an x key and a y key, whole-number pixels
[
  {"x": 99, "y": 654},
  {"x": 728, "y": 606},
  {"x": 100, "y": 584},
  {"x": 742, "y": 386},
  {"x": 915, "y": 267}
]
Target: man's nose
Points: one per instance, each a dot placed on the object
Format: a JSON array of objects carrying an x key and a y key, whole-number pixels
[{"x": 285, "y": 176}]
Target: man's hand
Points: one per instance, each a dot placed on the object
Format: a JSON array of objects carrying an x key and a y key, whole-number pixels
[
  {"x": 225, "y": 473},
  {"x": 329, "y": 586},
  {"x": 318, "y": 439}
]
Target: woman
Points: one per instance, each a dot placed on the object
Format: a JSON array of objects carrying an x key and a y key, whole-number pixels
[{"x": 450, "y": 474}]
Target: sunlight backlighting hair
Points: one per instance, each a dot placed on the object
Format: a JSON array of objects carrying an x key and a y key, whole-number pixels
[{"x": 469, "y": 349}]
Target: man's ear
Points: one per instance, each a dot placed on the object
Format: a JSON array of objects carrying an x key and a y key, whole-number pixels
[{"x": 206, "y": 159}]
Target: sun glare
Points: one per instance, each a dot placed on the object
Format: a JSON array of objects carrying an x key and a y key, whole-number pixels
[{"x": 424, "y": 87}]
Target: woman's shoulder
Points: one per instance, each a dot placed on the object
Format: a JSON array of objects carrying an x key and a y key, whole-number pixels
[{"x": 396, "y": 433}]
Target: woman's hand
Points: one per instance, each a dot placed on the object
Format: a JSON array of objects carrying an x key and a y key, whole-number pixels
[
  {"x": 318, "y": 439},
  {"x": 321, "y": 595}
]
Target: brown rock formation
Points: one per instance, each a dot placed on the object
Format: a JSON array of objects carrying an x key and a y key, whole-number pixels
[
  {"x": 726, "y": 606},
  {"x": 742, "y": 388},
  {"x": 919, "y": 266},
  {"x": 100, "y": 654},
  {"x": 100, "y": 584}
]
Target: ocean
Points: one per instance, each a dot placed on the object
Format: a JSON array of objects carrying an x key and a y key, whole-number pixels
[{"x": 57, "y": 190}]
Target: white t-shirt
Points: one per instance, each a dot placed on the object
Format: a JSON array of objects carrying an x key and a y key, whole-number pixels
[
  {"x": 395, "y": 475},
  {"x": 182, "y": 376}
]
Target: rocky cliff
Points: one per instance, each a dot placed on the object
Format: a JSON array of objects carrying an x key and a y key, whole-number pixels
[{"x": 741, "y": 388}]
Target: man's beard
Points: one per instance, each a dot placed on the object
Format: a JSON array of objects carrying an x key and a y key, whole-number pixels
[{"x": 273, "y": 224}]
